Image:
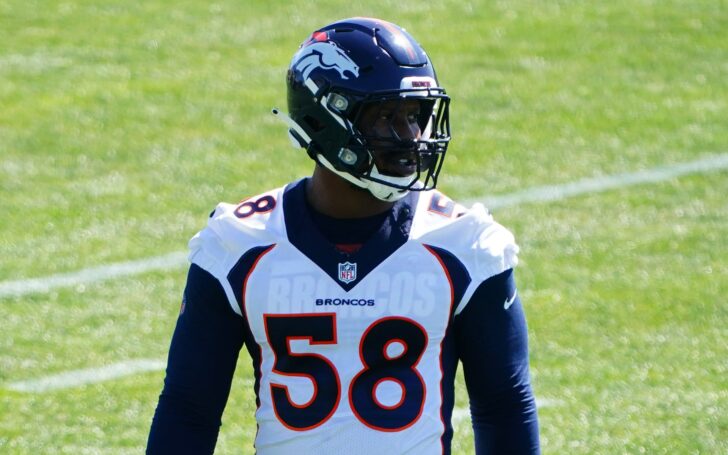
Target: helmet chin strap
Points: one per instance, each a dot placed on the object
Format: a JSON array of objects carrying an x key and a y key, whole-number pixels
[{"x": 378, "y": 190}]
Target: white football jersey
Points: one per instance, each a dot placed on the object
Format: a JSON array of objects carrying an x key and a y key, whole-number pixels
[{"x": 348, "y": 349}]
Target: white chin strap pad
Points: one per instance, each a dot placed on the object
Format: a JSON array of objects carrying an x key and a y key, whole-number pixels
[
  {"x": 380, "y": 191},
  {"x": 388, "y": 193}
]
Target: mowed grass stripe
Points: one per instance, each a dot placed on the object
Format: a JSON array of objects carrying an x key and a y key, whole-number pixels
[{"x": 19, "y": 288}]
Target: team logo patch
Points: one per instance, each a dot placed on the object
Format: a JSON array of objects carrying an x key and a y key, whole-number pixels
[
  {"x": 324, "y": 55},
  {"x": 347, "y": 272}
]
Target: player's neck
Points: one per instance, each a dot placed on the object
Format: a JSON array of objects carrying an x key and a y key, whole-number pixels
[{"x": 333, "y": 196}]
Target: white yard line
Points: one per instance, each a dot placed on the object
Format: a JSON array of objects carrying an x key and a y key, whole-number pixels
[
  {"x": 91, "y": 275},
  {"x": 130, "y": 367},
  {"x": 77, "y": 378},
  {"x": 463, "y": 414},
  {"x": 550, "y": 193}
]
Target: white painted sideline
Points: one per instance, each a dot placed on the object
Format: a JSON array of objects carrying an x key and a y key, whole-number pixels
[{"x": 130, "y": 367}]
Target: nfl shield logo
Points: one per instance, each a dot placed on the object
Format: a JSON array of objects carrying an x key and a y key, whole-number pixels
[{"x": 347, "y": 272}]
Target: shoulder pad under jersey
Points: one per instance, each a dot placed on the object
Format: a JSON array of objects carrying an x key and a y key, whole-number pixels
[
  {"x": 234, "y": 229},
  {"x": 482, "y": 245}
]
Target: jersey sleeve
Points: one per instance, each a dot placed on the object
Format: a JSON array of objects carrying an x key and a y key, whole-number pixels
[
  {"x": 202, "y": 359},
  {"x": 491, "y": 251},
  {"x": 213, "y": 251},
  {"x": 492, "y": 343}
]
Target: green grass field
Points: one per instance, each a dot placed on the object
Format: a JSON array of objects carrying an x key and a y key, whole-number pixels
[{"x": 123, "y": 123}]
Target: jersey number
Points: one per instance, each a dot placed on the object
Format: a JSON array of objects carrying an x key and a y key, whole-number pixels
[
  {"x": 263, "y": 205},
  {"x": 379, "y": 366}
]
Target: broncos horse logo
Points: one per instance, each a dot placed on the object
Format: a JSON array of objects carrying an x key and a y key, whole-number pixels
[{"x": 327, "y": 56}]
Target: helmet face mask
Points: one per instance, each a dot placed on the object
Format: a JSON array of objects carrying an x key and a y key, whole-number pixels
[
  {"x": 364, "y": 102},
  {"x": 397, "y": 131}
]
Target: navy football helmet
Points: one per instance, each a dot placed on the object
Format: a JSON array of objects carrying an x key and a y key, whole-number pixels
[{"x": 356, "y": 70}]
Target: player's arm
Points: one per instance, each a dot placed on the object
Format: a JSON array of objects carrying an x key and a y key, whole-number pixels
[
  {"x": 201, "y": 363},
  {"x": 492, "y": 343}
]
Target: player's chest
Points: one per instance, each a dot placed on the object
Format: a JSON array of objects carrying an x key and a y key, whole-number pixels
[{"x": 410, "y": 285}]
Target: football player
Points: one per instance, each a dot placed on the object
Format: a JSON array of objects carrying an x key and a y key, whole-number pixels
[{"x": 356, "y": 291}]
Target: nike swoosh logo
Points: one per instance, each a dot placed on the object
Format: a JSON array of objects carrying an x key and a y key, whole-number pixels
[{"x": 507, "y": 304}]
